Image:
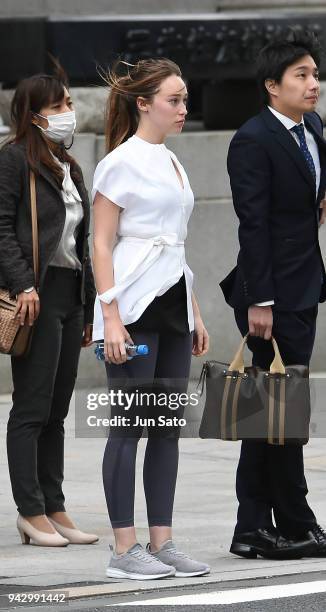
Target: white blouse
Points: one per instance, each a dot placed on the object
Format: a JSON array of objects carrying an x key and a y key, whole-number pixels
[
  {"x": 66, "y": 253},
  {"x": 149, "y": 255}
]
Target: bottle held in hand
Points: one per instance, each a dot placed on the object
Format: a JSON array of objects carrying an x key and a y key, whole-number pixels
[{"x": 133, "y": 350}]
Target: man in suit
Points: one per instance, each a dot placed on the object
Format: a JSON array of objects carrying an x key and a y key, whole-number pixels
[{"x": 277, "y": 168}]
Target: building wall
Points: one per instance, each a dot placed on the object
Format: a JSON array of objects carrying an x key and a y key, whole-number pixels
[
  {"x": 32, "y": 8},
  {"x": 211, "y": 246},
  {"x": 212, "y": 241}
]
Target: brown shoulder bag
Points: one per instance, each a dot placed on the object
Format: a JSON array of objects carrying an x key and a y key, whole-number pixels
[{"x": 15, "y": 339}]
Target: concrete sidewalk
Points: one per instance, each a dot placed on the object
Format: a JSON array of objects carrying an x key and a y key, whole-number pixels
[{"x": 204, "y": 518}]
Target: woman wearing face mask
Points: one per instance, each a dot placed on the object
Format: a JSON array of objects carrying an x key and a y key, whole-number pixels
[
  {"x": 142, "y": 198},
  {"x": 60, "y": 310}
]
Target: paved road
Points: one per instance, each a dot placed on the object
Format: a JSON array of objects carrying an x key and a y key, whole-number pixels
[
  {"x": 205, "y": 510},
  {"x": 286, "y": 594}
]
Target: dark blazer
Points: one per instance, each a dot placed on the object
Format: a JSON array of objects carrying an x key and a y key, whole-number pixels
[
  {"x": 16, "y": 251},
  {"x": 274, "y": 197}
]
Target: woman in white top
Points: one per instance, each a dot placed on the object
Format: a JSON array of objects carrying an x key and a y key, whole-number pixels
[{"x": 142, "y": 204}]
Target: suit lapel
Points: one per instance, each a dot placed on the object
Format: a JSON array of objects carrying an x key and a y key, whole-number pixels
[
  {"x": 322, "y": 185},
  {"x": 47, "y": 174},
  {"x": 321, "y": 143},
  {"x": 288, "y": 143}
]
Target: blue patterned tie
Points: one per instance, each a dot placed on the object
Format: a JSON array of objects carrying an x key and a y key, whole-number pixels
[{"x": 299, "y": 130}]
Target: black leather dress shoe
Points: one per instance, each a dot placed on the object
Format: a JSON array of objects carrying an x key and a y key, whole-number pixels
[
  {"x": 269, "y": 544},
  {"x": 319, "y": 534}
]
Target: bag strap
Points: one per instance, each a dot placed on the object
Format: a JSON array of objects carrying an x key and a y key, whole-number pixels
[
  {"x": 34, "y": 228},
  {"x": 202, "y": 378},
  {"x": 277, "y": 366},
  {"x": 237, "y": 364}
]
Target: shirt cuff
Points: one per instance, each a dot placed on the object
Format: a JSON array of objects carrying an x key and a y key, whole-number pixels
[
  {"x": 269, "y": 303},
  {"x": 108, "y": 296}
]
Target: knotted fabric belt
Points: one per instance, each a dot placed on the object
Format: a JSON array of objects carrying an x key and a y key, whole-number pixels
[
  {"x": 163, "y": 240},
  {"x": 149, "y": 251}
]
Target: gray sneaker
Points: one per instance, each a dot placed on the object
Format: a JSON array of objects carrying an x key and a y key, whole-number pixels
[
  {"x": 184, "y": 565},
  {"x": 137, "y": 564}
]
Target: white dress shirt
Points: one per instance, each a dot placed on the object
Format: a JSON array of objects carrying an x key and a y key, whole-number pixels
[
  {"x": 312, "y": 146},
  {"x": 149, "y": 256}
]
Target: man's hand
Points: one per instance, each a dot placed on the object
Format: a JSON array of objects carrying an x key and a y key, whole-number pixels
[{"x": 260, "y": 321}]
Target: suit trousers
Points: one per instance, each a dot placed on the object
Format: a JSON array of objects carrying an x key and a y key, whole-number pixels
[
  {"x": 271, "y": 478},
  {"x": 43, "y": 383}
]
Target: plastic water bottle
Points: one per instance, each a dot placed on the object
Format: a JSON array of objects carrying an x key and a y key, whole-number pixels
[{"x": 133, "y": 350}]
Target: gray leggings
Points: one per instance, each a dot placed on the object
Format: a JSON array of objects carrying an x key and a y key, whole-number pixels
[{"x": 169, "y": 358}]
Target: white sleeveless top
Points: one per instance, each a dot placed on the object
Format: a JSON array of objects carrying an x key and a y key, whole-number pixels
[{"x": 149, "y": 255}]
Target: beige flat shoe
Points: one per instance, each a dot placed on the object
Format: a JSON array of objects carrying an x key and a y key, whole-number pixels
[
  {"x": 74, "y": 536},
  {"x": 31, "y": 535}
]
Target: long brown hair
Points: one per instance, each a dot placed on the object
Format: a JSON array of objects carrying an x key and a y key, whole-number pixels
[
  {"x": 33, "y": 94},
  {"x": 142, "y": 79}
]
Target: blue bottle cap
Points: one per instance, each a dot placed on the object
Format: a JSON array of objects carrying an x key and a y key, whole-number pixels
[{"x": 142, "y": 349}]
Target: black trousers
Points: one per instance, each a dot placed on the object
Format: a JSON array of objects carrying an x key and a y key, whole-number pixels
[
  {"x": 168, "y": 363},
  {"x": 271, "y": 478},
  {"x": 43, "y": 383}
]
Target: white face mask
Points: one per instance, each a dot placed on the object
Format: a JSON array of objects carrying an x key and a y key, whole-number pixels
[{"x": 61, "y": 126}]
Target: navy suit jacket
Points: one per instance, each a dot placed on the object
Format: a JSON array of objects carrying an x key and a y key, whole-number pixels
[{"x": 274, "y": 196}]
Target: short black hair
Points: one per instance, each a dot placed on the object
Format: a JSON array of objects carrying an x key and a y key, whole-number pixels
[{"x": 282, "y": 52}]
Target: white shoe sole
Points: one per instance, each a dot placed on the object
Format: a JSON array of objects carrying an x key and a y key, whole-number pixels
[
  {"x": 116, "y": 573},
  {"x": 191, "y": 574}
]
